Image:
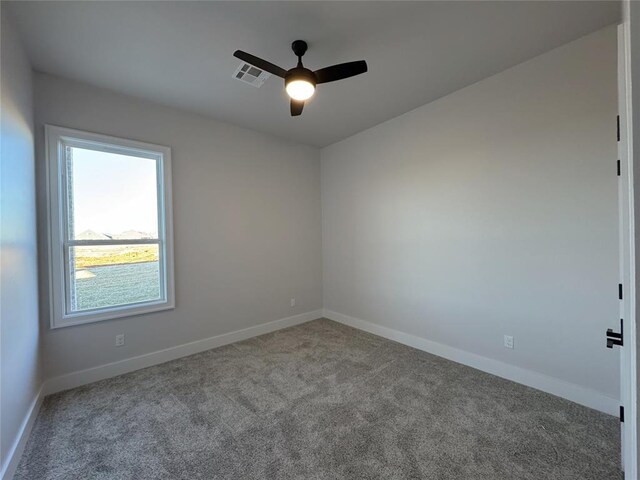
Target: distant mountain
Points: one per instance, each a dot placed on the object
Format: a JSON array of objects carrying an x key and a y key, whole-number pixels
[
  {"x": 91, "y": 235},
  {"x": 128, "y": 235},
  {"x": 132, "y": 235}
]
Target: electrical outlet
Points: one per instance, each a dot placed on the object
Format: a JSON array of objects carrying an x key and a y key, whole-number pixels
[
  {"x": 120, "y": 340},
  {"x": 508, "y": 341},
  {"x": 293, "y": 302}
]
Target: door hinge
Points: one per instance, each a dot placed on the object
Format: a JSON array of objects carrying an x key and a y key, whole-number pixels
[
  {"x": 621, "y": 414},
  {"x": 620, "y": 291},
  {"x": 618, "y": 162},
  {"x": 618, "y": 127},
  {"x": 615, "y": 338}
]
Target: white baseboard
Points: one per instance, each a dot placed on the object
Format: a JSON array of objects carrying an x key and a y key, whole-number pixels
[
  {"x": 575, "y": 393},
  {"x": 15, "y": 452},
  {"x": 554, "y": 386},
  {"x": 90, "y": 375},
  {"x": 83, "y": 377}
]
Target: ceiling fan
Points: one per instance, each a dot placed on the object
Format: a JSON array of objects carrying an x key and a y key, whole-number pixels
[{"x": 300, "y": 83}]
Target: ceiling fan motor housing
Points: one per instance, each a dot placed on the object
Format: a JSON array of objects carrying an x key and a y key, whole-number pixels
[
  {"x": 300, "y": 73},
  {"x": 299, "y": 47}
]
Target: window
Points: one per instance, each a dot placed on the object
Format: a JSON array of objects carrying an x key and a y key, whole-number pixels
[{"x": 110, "y": 227}]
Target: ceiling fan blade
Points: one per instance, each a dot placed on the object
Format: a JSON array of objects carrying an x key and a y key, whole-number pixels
[
  {"x": 260, "y": 63},
  {"x": 340, "y": 71},
  {"x": 296, "y": 107}
]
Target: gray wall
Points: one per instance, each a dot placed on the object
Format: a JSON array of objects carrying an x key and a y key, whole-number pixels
[
  {"x": 247, "y": 223},
  {"x": 491, "y": 211},
  {"x": 20, "y": 378}
]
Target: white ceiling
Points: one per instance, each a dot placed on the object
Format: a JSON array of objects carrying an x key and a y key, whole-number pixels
[{"x": 180, "y": 53}]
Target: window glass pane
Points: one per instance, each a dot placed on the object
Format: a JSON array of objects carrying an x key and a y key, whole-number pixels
[
  {"x": 111, "y": 196},
  {"x": 112, "y": 275}
]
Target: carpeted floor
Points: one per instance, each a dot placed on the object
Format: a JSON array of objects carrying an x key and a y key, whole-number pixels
[{"x": 316, "y": 401}]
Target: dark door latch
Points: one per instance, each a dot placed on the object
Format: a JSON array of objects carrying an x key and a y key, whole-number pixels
[{"x": 614, "y": 338}]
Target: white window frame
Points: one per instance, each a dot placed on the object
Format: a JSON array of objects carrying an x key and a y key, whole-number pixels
[{"x": 56, "y": 138}]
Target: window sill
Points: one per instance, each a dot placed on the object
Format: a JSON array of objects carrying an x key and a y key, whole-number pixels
[{"x": 110, "y": 314}]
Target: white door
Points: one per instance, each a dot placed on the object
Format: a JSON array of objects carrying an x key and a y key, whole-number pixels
[{"x": 627, "y": 259}]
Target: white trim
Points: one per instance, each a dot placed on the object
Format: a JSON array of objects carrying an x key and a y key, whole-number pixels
[
  {"x": 120, "y": 311},
  {"x": 575, "y": 393},
  {"x": 57, "y": 232},
  {"x": 628, "y": 352},
  {"x": 90, "y": 375},
  {"x": 15, "y": 452},
  {"x": 132, "y": 241}
]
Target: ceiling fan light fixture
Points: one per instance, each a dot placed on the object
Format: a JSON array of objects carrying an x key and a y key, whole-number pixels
[
  {"x": 300, "y": 82},
  {"x": 300, "y": 89}
]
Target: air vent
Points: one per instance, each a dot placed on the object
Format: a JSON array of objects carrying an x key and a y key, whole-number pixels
[{"x": 249, "y": 74}]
